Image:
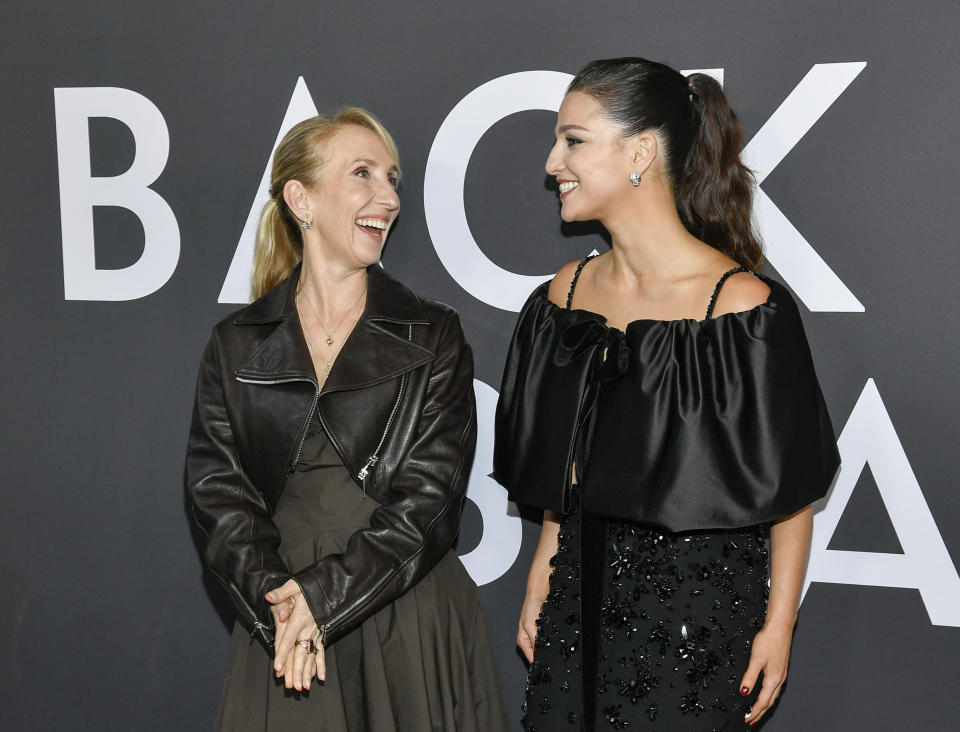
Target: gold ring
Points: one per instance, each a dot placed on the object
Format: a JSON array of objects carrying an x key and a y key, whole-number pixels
[{"x": 307, "y": 645}]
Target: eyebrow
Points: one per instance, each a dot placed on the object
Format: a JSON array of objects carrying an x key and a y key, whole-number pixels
[
  {"x": 373, "y": 164},
  {"x": 567, "y": 128}
]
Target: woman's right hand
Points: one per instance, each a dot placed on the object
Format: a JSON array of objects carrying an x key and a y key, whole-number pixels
[
  {"x": 538, "y": 584},
  {"x": 295, "y": 628},
  {"x": 527, "y": 632}
]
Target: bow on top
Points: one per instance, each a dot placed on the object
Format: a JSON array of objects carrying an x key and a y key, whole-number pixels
[{"x": 607, "y": 345}]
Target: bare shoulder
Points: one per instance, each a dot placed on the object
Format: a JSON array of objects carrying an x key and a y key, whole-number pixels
[
  {"x": 742, "y": 291},
  {"x": 560, "y": 286}
]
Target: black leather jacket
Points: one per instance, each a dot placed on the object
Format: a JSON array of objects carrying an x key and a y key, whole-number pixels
[{"x": 399, "y": 409}]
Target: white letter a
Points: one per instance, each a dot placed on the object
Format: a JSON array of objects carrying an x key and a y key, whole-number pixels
[
  {"x": 869, "y": 437},
  {"x": 236, "y": 286}
]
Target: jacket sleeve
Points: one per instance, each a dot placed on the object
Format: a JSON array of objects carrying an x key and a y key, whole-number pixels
[
  {"x": 407, "y": 537},
  {"x": 241, "y": 539}
]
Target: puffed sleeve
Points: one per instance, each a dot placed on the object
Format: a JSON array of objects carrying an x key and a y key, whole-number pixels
[
  {"x": 241, "y": 539},
  {"x": 543, "y": 395},
  {"x": 711, "y": 425}
]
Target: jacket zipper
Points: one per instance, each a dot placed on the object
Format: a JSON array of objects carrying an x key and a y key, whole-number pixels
[
  {"x": 375, "y": 457},
  {"x": 362, "y": 475},
  {"x": 303, "y": 428},
  {"x": 325, "y": 628}
]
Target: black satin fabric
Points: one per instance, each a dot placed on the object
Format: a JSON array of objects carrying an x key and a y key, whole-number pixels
[{"x": 693, "y": 425}]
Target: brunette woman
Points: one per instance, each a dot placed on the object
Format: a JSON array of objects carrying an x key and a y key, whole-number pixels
[{"x": 660, "y": 404}]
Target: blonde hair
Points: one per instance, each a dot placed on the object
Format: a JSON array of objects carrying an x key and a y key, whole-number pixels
[{"x": 299, "y": 156}]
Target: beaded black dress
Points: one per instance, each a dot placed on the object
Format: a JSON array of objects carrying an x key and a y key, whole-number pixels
[{"x": 661, "y": 574}]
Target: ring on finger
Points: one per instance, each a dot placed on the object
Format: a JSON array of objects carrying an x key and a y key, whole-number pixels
[{"x": 307, "y": 645}]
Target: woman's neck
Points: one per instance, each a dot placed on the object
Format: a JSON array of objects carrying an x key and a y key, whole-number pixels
[
  {"x": 330, "y": 290},
  {"x": 651, "y": 243}
]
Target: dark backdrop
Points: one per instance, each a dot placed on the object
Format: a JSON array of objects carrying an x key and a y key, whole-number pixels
[{"x": 109, "y": 621}]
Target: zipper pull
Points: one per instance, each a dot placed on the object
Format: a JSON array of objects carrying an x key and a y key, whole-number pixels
[{"x": 365, "y": 471}]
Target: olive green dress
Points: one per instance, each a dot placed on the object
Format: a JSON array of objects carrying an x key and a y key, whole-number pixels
[{"x": 421, "y": 663}]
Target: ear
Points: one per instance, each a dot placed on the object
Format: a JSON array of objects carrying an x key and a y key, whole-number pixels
[
  {"x": 295, "y": 195},
  {"x": 643, "y": 151}
]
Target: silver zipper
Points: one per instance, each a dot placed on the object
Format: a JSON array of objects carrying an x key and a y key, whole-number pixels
[
  {"x": 375, "y": 457},
  {"x": 325, "y": 628},
  {"x": 362, "y": 475},
  {"x": 306, "y": 422}
]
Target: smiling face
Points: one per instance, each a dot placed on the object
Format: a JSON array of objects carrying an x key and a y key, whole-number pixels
[
  {"x": 590, "y": 159},
  {"x": 355, "y": 202}
]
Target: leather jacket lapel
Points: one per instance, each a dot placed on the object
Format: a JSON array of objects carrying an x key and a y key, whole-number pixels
[
  {"x": 377, "y": 349},
  {"x": 373, "y": 354}
]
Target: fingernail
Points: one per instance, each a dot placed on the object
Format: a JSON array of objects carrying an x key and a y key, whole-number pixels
[
  {"x": 744, "y": 690},
  {"x": 307, "y": 687},
  {"x": 269, "y": 597}
]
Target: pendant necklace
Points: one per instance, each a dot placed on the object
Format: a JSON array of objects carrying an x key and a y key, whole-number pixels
[
  {"x": 329, "y": 336},
  {"x": 328, "y": 363}
]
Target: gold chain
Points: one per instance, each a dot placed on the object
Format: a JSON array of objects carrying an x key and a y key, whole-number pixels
[{"x": 330, "y": 339}]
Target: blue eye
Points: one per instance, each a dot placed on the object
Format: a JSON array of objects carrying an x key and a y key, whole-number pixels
[
  {"x": 395, "y": 182},
  {"x": 362, "y": 172}
]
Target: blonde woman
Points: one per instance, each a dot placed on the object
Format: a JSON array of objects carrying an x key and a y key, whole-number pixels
[{"x": 328, "y": 457}]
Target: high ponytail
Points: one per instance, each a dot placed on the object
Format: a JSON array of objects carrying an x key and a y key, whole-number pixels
[
  {"x": 300, "y": 156},
  {"x": 700, "y": 139},
  {"x": 715, "y": 194}
]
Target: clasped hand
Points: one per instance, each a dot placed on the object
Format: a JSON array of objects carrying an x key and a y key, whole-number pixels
[{"x": 294, "y": 623}]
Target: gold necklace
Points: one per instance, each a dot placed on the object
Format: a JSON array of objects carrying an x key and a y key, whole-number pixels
[
  {"x": 330, "y": 339},
  {"x": 327, "y": 365}
]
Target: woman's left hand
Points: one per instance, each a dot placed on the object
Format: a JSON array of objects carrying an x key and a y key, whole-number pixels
[
  {"x": 771, "y": 655},
  {"x": 295, "y": 625}
]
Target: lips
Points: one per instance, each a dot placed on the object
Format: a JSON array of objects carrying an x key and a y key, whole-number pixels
[
  {"x": 567, "y": 187},
  {"x": 372, "y": 226}
]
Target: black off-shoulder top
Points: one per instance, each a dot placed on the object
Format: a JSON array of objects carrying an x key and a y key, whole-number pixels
[{"x": 685, "y": 424}]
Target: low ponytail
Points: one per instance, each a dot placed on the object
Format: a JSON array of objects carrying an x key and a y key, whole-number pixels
[
  {"x": 278, "y": 249},
  {"x": 300, "y": 156},
  {"x": 715, "y": 193}
]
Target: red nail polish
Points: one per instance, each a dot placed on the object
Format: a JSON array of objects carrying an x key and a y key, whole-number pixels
[{"x": 744, "y": 690}]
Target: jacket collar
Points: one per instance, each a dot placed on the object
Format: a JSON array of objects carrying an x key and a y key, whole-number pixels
[{"x": 371, "y": 354}]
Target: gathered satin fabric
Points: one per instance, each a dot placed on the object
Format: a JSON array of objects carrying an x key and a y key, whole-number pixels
[{"x": 681, "y": 424}]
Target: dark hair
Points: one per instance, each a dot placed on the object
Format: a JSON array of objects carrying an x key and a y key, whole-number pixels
[{"x": 700, "y": 140}]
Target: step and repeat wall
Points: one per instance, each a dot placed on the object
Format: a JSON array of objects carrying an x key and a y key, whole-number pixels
[{"x": 136, "y": 137}]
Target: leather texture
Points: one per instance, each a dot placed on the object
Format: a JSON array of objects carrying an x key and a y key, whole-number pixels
[
  {"x": 256, "y": 392},
  {"x": 684, "y": 424}
]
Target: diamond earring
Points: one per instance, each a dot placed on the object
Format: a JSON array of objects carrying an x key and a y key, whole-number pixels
[
  {"x": 305, "y": 224},
  {"x": 634, "y": 178}
]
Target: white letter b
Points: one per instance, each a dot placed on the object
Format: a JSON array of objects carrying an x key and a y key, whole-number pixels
[{"x": 80, "y": 192}]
